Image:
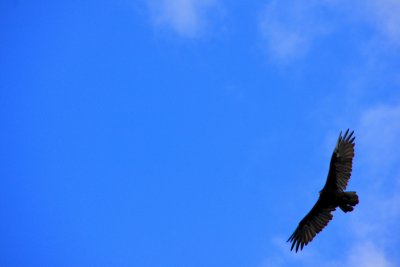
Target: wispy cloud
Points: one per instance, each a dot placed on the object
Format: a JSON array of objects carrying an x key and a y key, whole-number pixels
[
  {"x": 384, "y": 16},
  {"x": 379, "y": 144},
  {"x": 291, "y": 29},
  {"x": 367, "y": 254},
  {"x": 187, "y": 18},
  {"x": 380, "y": 141}
]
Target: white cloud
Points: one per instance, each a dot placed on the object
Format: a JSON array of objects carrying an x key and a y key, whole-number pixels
[
  {"x": 380, "y": 141},
  {"x": 384, "y": 15},
  {"x": 187, "y": 18},
  {"x": 366, "y": 254},
  {"x": 379, "y": 147},
  {"x": 290, "y": 28}
]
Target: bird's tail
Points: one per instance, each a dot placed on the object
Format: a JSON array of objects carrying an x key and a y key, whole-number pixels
[{"x": 350, "y": 200}]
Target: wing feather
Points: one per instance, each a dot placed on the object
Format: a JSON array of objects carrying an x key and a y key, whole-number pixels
[
  {"x": 341, "y": 163},
  {"x": 313, "y": 223}
]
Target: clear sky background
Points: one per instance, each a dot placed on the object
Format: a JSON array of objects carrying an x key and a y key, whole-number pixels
[{"x": 192, "y": 133}]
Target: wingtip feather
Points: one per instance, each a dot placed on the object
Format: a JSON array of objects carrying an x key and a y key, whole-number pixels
[{"x": 345, "y": 134}]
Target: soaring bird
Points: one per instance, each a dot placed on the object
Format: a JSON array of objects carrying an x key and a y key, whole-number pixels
[{"x": 333, "y": 194}]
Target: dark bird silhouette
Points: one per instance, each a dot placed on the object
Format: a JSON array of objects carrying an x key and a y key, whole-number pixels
[{"x": 331, "y": 196}]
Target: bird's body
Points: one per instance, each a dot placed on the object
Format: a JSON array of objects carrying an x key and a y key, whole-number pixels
[
  {"x": 331, "y": 196},
  {"x": 341, "y": 199}
]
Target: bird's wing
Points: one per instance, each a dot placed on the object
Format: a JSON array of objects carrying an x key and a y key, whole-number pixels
[
  {"x": 311, "y": 225},
  {"x": 341, "y": 162}
]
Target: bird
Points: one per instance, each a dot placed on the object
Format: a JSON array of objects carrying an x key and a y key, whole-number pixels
[{"x": 332, "y": 195}]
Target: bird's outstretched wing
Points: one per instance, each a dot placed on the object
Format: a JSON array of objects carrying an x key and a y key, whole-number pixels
[
  {"x": 311, "y": 225},
  {"x": 341, "y": 163}
]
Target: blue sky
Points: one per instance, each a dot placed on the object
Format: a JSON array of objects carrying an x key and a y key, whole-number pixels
[{"x": 195, "y": 132}]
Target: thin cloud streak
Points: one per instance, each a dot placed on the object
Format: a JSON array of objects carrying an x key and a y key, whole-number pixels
[
  {"x": 187, "y": 18},
  {"x": 367, "y": 254},
  {"x": 380, "y": 132},
  {"x": 379, "y": 146},
  {"x": 384, "y": 16},
  {"x": 291, "y": 30}
]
